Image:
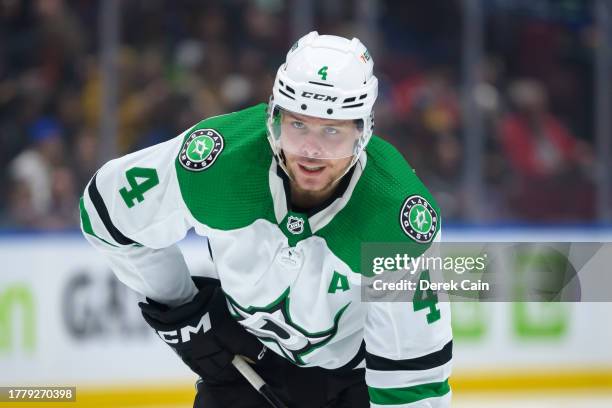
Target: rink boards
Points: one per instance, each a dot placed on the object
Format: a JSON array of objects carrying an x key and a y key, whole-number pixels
[{"x": 65, "y": 320}]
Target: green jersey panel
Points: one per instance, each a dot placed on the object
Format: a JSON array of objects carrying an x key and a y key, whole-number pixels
[
  {"x": 232, "y": 191},
  {"x": 374, "y": 212}
]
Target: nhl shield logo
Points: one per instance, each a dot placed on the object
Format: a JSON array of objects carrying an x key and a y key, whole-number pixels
[
  {"x": 295, "y": 225},
  {"x": 201, "y": 149},
  {"x": 418, "y": 219}
]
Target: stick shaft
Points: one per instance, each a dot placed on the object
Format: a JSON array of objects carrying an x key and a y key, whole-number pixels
[{"x": 257, "y": 382}]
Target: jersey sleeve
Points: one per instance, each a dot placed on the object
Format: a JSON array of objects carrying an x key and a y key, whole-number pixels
[
  {"x": 409, "y": 353},
  {"x": 133, "y": 213}
]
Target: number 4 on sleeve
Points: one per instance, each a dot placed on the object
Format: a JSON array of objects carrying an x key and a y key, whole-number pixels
[
  {"x": 426, "y": 299},
  {"x": 149, "y": 179}
]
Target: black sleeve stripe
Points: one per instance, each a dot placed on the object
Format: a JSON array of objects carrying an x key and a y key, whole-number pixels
[
  {"x": 100, "y": 207},
  {"x": 435, "y": 359},
  {"x": 209, "y": 249}
]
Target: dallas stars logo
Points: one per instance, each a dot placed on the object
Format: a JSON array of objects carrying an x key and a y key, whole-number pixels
[
  {"x": 273, "y": 324},
  {"x": 421, "y": 218},
  {"x": 201, "y": 149},
  {"x": 418, "y": 219}
]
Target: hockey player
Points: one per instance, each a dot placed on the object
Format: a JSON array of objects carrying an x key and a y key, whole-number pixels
[{"x": 285, "y": 193}]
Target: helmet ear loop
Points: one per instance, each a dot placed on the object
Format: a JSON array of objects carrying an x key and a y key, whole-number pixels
[
  {"x": 270, "y": 104},
  {"x": 282, "y": 159},
  {"x": 279, "y": 155},
  {"x": 361, "y": 143}
]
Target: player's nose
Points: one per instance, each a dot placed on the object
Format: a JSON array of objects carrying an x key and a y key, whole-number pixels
[{"x": 310, "y": 146}]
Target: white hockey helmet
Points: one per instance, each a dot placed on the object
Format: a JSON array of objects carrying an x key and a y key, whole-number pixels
[{"x": 327, "y": 77}]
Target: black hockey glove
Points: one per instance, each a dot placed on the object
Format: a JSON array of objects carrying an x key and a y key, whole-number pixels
[{"x": 202, "y": 332}]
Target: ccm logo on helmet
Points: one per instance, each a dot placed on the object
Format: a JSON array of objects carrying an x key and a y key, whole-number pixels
[
  {"x": 319, "y": 97},
  {"x": 184, "y": 335}
]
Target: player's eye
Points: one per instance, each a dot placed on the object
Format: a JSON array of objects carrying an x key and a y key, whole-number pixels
[
  {"x": 330, "y": 130},
  {"x": 298, "y": 125}
]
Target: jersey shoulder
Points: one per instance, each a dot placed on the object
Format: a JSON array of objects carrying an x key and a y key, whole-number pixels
[
  {"x": 132, "y": 198},
  {"x": 144, "y": 197},
  {"x": 222, "y": 169},
  {"x": 389, "y": 176},
  {"x": 389, "y": 204}
]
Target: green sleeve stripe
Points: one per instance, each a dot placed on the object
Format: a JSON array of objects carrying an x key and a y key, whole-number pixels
[
  {"x": 85, "y": 218},
  {"x": 87, "y": 223},
  {"x": 397, "y": 396}
]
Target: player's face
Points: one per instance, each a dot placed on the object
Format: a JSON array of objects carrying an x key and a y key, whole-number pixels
[{"x": 317, "y": 151}]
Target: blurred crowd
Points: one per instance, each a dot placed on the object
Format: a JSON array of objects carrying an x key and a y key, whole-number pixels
[{"x": 182, "y": 61}]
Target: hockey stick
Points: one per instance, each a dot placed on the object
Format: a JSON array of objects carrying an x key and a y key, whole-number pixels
[{"x": 257, "y": 382}]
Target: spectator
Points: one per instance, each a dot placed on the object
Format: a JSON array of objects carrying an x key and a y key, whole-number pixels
[
  {"x": 189, "y": 62},
  {"x": 543, "y": 157},
  {"x": 63, "y": 210},
  {"x": 33, "y": 168}
]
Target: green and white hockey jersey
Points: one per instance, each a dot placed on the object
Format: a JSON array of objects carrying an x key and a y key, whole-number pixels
[{"x": 292, "y": 279}]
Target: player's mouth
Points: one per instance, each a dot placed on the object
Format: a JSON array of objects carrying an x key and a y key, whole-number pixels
[{"x": 311, "y": 169}]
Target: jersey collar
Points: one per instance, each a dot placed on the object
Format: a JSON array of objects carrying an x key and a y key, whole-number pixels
[{"x": 320, "y": 216}]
